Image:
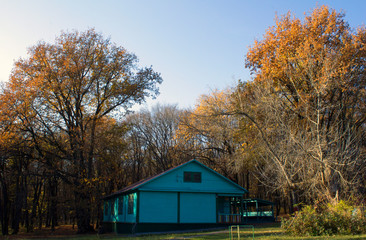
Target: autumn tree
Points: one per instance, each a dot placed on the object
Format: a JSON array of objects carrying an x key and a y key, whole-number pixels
[
  {"x": 309, "y": 104},
  {"x": 67, "y": 88},
  {"x": 16, "y": 150},
  {"x": 212, "y": 135},
  {"x": 110, "y": 171}
]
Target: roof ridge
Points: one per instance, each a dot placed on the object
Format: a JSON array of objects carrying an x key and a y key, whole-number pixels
[{"x": 145, "y": 180}]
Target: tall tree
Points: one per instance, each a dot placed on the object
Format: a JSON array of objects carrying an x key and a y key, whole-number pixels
[
  {"x": 67, "y": 87},
  {"x": 213, "y": 135},
  {"x": 310, "y": 103}
]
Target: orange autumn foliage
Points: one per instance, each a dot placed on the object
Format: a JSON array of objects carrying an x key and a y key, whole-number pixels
[{"x": 313, "y": 56}]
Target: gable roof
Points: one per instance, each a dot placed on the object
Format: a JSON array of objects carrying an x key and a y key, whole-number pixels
[{"x": 141, "y": 183}]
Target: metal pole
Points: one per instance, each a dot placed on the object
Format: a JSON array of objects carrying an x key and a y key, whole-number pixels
[{"x": 238, "y": 229}]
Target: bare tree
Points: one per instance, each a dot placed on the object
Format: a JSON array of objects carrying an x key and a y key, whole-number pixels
[{"x": 152, "y": 140}]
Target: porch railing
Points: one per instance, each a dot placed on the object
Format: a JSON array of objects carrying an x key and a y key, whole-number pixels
[
  {"x": 258, "y": 214},
  {"x": 236, "y": 218},
  {"x": 229, "y": 218}
]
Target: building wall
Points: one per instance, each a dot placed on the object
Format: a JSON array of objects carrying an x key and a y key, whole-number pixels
[
  {"x": 131, "y": 216},
  {"x": 162, "y": 207},
  {"x": 158, "y": 207},
  {"x": 197, "y": 208},
  {"x": 111, "y": 211}
]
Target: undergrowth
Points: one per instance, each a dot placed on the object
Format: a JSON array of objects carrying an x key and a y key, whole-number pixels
[{"x": 332, "y": 219}]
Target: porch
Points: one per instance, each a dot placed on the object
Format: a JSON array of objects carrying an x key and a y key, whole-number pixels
[
  {"x": 258, "y": 210},
  {"x": 235, "y": 210}
]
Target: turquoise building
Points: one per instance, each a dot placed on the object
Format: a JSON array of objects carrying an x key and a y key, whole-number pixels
[{"x": 188, "y": 196}]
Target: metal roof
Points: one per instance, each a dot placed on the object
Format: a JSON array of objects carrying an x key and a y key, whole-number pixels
[{"x": 261, "y": 202}]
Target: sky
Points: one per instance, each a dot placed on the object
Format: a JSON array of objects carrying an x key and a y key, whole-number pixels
[{"x": 198, "y": 46}]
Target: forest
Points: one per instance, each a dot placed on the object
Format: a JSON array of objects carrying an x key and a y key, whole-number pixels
[{"x": 293, "y": 134}]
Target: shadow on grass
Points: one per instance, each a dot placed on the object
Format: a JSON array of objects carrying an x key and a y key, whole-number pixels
[{"x": 262, "y": 232}]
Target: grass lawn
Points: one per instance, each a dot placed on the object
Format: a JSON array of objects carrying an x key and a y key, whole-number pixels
[{"x": 270, "y": 232}]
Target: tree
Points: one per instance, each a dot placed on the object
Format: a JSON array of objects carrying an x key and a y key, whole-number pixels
[
  {"x": 67, "y": 88},
  {"x": 15, "y": 151},
  {"x": 152, "y": 143},
  {"x": 213, "y": 136},
  {"x": 309, "y": 104}
]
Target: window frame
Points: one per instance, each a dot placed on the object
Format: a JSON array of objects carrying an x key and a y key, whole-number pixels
[{"x": 192, "y": 177}]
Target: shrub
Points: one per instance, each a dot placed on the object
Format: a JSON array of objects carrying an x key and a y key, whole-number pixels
[{"x": 339, "y": 218}]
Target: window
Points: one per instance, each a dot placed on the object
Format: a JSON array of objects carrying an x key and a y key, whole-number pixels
[
  {"x": 112, "y": 207},
  {"x": 130, "y": 203},
  {"x": 194, "y": 177},
  {"x": 120, "y": 205}
]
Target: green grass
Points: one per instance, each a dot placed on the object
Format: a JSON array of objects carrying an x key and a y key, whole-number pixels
[{"x": 272, "y": 232}]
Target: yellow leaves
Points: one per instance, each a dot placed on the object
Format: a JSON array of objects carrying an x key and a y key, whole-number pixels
[
  {"x": 92, "y": 181},
  {"x": 301, "y": 57},
  {"x": 211, "y": 124},
  {"x": 213, "y": 104}
]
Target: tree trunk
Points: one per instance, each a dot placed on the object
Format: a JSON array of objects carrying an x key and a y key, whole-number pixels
[
  {"x": 82, "y": 208},
  {"x": 17, "y": 210},
  {"x": 53, "y": 201},
  {"x": 35, "y": 204},
  {"x": 248, "y": 180},
  {"x": 25, "y": 204},
  {"x": 293, "y": 201},
  {"x": 4, "y": 209},
  {"x": 40, "y": 213}
]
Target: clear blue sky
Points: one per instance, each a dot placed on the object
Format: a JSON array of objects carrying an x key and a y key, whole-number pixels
[{"x": 197, "y": 45}]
